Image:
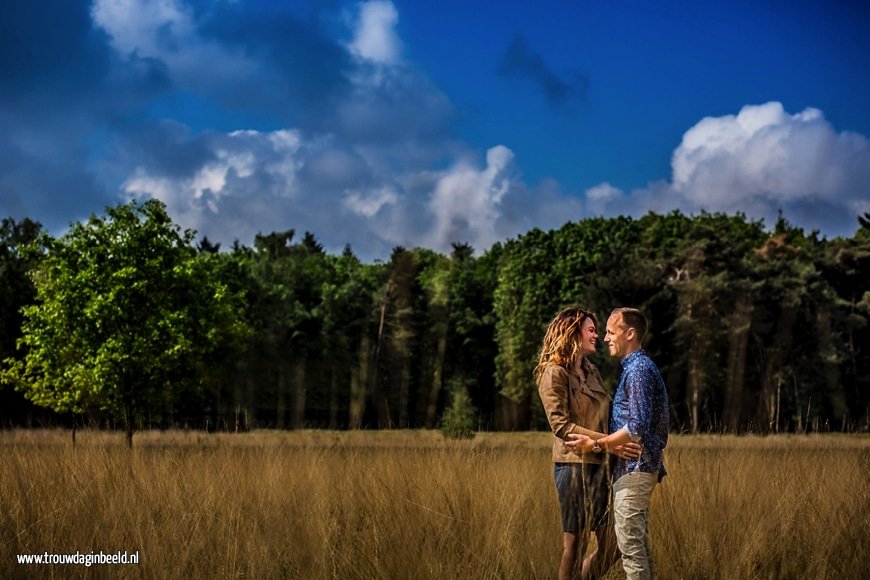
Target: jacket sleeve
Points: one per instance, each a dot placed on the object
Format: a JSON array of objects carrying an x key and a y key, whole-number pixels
[{"x": 553, "y": 390}]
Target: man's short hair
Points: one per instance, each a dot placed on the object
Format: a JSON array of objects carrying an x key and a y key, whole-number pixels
[{"x": 634, "y": 318}]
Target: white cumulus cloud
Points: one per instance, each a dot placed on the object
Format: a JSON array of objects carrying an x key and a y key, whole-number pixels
[
  {"x": 375, "y": 37},
  {"x": 368, "y": 204},
  {"x": 384, "y": 168},
  {"x": 466, "y": 201},
  {"x": 250, "y": 182},
  {"x": 366, "y": 178},
  {"x": 759, "y": 161},
  {"x": 166, "y": 31},
  {"x": 246, "y": 173}
]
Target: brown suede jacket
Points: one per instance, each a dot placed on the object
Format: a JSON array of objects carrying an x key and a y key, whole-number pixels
[{"x": 573, "y": 406}]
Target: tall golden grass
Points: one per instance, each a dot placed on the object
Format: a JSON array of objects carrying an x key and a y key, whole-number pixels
[{"x": 413, "y": 505}]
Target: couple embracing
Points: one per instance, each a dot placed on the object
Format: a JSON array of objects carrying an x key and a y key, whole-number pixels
[{"x": 588, "y": 433}]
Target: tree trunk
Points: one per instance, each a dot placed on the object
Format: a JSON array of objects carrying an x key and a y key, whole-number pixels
[
  {"x": 697, "y": 343},
  {"x": 358, "y": 385},
  {"x": 404, "y": 390},
  {"x": 300, "y": 391},
  {"x": 738, "y": 341},
  {"x": 437, "y": 378},
  {"x": 695, "y": 381},
  {"x": 281, "y": 406},
  {"x": 238, "y": 402},
  {"x": 834, "y": 391},
  {"x": 218, "y": 411},
  {"x": 776, "y": 362},
  {"x": 333, "y": 398},
  {"x": 129, "y": 414},
  {"x": 509, "y": 412},
  {"x": 378, "y": 397},
  {"x": 535, "y": 412}
]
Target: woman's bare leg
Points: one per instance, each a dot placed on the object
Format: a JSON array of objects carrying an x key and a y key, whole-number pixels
[
  {"x": 604, "y": 557},
  {"x": 573, "y": 547}
]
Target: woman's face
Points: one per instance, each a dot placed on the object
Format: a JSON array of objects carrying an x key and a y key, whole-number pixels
[{"x": 588, "y": 337}]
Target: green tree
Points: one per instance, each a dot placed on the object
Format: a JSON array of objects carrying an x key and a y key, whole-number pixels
[
  {"x": 471, "y": 349},
  {"x": 288, "y": 318},
  {"x": 347, "y": 307},
  {"x": 526, "y": 297},
  {"x": 221, "y": 399},
  {"x": 16, "y": 291},
  {"x": 458, "y": 421},
  {"x": 796, "y": 351},
  {"x": 125, "y": 318},
  {"x": 710, "y": 310},
  {"x": 845, "y": 264},
  {"x": 588, "y": 263},
  {"x": 435, "y": 280},
  {"x": 398, "y": 334}
]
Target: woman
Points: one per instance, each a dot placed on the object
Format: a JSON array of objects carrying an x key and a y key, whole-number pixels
[{"x": 575, "y": 401}]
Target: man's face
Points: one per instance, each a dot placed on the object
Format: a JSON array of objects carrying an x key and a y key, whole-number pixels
[{"x": 615, "y": 336}]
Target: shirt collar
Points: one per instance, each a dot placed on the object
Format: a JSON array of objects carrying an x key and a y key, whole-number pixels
[{"x": 632, "y": 357}]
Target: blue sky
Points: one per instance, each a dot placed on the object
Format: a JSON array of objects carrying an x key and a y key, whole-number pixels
[{"x": 386, "y": 123}]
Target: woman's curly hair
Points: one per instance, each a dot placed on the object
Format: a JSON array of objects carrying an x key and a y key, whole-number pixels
[{"x": 562, "y": 340}]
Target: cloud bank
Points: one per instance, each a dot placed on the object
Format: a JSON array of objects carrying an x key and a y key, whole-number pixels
[
  {"x": 382, "y": 169},
  {"x": 759, "y": 161},
  {"x": 248, "y": 121}
]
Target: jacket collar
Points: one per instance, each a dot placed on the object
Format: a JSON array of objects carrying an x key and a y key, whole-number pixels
[{"x": 592, "y": 385}]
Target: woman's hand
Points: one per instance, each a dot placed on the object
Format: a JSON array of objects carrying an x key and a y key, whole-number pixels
[
  {"x": 580, "y": 443},
  {"x": 584, "y": 444}
]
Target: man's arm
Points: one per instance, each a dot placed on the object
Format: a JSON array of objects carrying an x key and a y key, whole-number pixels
[
  {"x": 579, "y": 443},
  {"x": 616, "y": 439},
  {"x": 639, "y": 385}
]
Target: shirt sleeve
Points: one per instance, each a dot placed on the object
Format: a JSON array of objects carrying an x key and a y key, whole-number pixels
[
  {"x": 639, "y": 384},
  {"x": 554, "y": 392}
]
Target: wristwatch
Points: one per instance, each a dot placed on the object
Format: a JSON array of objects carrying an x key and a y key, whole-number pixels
[{"x": 596, "y": 448}]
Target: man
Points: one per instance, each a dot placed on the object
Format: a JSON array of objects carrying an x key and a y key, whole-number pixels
[{"x": 640, "y": 414}]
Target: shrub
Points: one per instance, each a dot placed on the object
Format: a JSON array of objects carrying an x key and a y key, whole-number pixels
[{"x": 459, "y": 418}]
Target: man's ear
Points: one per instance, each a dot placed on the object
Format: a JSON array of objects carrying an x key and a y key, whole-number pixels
[{"x": 631, "y": 333}]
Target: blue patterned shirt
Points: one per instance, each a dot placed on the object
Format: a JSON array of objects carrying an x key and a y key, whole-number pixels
[{"x": 641, "y": 405}]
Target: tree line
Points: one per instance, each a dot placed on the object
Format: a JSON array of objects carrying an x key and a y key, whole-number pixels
[{"x": 127, "y": 321}]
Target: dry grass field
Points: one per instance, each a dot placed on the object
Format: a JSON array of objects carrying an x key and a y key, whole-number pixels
[{"x": 412, "y": 505}]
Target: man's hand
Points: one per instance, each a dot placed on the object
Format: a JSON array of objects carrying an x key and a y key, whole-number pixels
[{"x": 627, "y": 451}]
